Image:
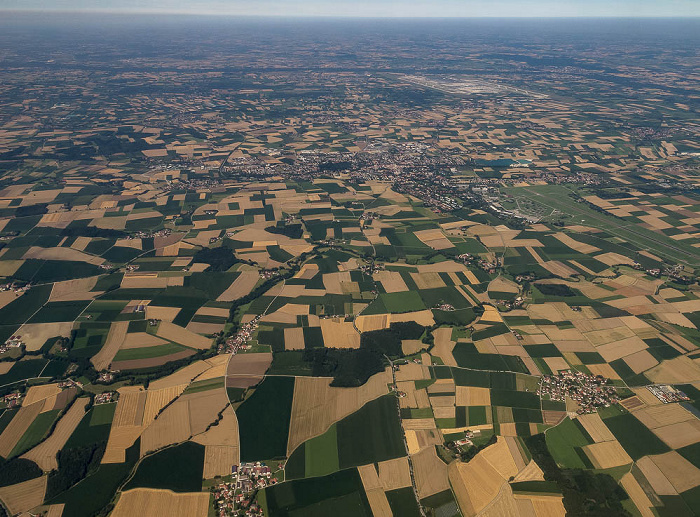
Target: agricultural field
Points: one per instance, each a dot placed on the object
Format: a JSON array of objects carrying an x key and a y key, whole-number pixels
[{"x": 314, "y": 284}]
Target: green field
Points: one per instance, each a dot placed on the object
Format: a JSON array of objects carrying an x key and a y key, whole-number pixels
[
  {"x": 92, "y": 494},
  {"x": 556, "y": 197},
  {"x": 36, "y": 432},
  {"x": 564, "y": 441},
  {"x": 635, "y": 437},
  {"x": 339, "y": 495},
  {"x": 149, "y": 352},
  {"x": 177, "y": 468},
  {"x": 263, "y": 419},
  {"x": 362, "y": 441}
]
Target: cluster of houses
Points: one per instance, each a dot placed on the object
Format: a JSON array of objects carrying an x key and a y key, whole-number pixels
[
  {"x": 107, "y": 376},
  {"x": 237, "y": 497},
  {"x": 667, "y": 394},
  {"x": 70, "y": 383},
  {"x": 13, "y": 287},
  {"x": 12, "y": 342},
  {"x": 489, "y": 267},
  {"x": 105, "y": 398},
  {"x": 371, "y": 268},
  {"x": 589, "y": 391},
  {"x": 13, "y": 399},
  {"x": 240, "y": 340},
  {"x": 145, "y": 235}
]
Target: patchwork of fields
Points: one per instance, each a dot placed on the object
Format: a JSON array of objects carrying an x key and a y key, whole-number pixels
[{"x": 374, "y": 366}]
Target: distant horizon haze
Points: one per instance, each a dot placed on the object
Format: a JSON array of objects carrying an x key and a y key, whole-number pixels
[{"x": 372, "y": 9}]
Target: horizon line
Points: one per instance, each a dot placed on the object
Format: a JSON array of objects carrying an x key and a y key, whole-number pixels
[{"x": 123, "y": 12}]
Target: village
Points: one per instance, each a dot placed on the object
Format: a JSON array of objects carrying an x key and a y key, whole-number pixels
[
  {"x": 237, "y": 497},
  {"x": 590, "y": 392}
]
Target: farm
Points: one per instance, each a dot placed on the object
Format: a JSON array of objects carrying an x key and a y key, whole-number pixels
[{"x": 336, "y": 292}]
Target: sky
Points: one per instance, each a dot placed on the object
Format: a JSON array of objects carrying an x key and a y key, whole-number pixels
[{"x": 375, "y": 8}]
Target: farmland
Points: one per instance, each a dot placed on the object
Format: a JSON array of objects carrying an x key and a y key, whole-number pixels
[{"x": 361, "y": 274}]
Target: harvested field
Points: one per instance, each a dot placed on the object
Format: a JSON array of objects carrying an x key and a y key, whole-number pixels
[
  {"x": 218, "y": 460},
  {"x": 182, "y": 336},
  {"x": 130, "y": 406},
  {"x": 416, "y": 424},
  {"x": 505, "y": 504},
  {"x": 622, "y": 348},
  {"x": 213, "y": 311},
  {"x": 208, "y": 329},
  {"x": 338, "y": 333},
  {"x": 412, "y": 372},
  {"x": 225, "y": 432},
  {"x": 205, "y": 407},
  {"x": 472, "y": 396},
  {"x": 478, "y": 482},
  {"x": 39, "y": 393},
  {"x": 444, "y": 345},
  {"x": 679, "y": 370},
  {"x": 596, "y": 428},
  {"x": 392, "y": 281},
  {"x": 70, "y": 290},
  {"x": 161, "y": 313},
  {"x": 22, "y": 497},
  {"x": 427, "y": 280},
  {"x": 531, "y": 472},
  {"x": 243, "y": 381},
  {"x": 547, "y": 506},
  {"x": 419, "y": 439},
  {"x": 157, "y": 399},
  {"x": 412, "y": 346},
  {"x": 475, "y": 484},
  {"x": 503, "y": 285},
  {"x": 218, "y": 363},
  {"x": 294, "y": 338},
  {"x": 316, "y": 405},
  {"x": 182, "y": 376},
  {"x": 141, "y": 340},
  {"x": 444, "y": 411},
  {"x": 680, "y": 434},
  {"x": 682, "y": 474},
  {"x": 442, "y": 401},
  {"x": 18, "y": 426},
  {"x": 172, "y": 426},
  {"x": 641, "y": 361},
  {"x": 35, "y": 335},
  {"x": 241, "y": 286},
  {"x": 246, "y": 370},
  {"x": 383, "y": 321},
  {"x": 663, "y": 415},
  {"x": 395, "y": 473},
  {"x": 606, "y": 455},
  {"x": 115, "y": 338},
  {"x": 161, "y": 503},
  {"x": 375, "y": 491},
  {"x": 70, "y": 254},
  {"x": 189, "y": 415},
  {"x": 658, "y": 481},
  {"x": 126, "y": 424},
  {"x": 44, "y": 454},
  {"x": 637, "y": 495},
  {"x": 421, "y": 397}
]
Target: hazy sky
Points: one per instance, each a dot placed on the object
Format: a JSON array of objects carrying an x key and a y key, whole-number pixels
[{"x": 375, "y": 8}]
